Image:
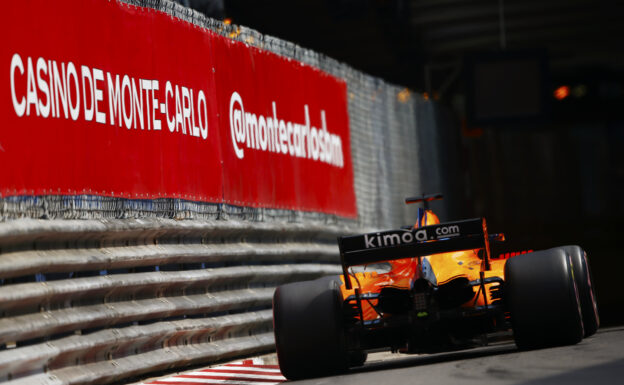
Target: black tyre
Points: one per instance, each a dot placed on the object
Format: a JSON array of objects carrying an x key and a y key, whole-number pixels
[
  {"x": 357, "y": 358},
  {"x": 307, "y": 319},
  {"x": 584, "y": 283},
  {"x": 543, "y": 299}
]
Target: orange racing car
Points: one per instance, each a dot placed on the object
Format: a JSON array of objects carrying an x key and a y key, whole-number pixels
[{"x": 428, "y": 288}]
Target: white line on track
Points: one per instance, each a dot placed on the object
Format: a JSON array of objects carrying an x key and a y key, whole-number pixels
[
  {"x": 221, "y": 373},
  {"x": 263, "y": 369}
]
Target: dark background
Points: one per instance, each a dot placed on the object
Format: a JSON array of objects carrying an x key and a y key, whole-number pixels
[{"x": 546, "y": 171}]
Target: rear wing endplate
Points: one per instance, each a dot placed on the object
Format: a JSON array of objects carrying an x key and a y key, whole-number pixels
[{"x": 398, "y": 244}]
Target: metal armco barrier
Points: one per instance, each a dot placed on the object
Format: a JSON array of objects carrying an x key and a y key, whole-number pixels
[{"x": 100, "y": 301}]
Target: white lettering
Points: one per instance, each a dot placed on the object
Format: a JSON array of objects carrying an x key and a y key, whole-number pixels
[
  {"x": 49, "y": 88},
  {"x": 289, "y": 134},
  {"x": 407, "y": 237},
  {"x": 450, "y": 231},
  {"x": 52, "y": 103},
  {"x": 315, "y": 143},
  {"x": 203, "y": 119},
  {"x": 369, "y": 242},
  {"x": 114, "y": 99},
  {"x": 146, "y": 85},
  {"x": 98, "y": 76},
  {"x": 137, "y": 105},
  {"x": 178, "y": 109},
  {"x": 195, "y": 128},
  {"x": 31, "y": 89},
  {"x": 126, "y": 110},
  {"x": 391, "y": 239},
  {"x": 186, "y": 111},
  {"x": 237, "y": 124},
  {"x": 19, "y": 107},
  {"x": 262, "y": 132},
  {"x": 169, "y": 91},
  {"x": 155, "y": 106},
  {"x": 44, "y": 109},
  {"x": 421, "y": 235},
  {"x": 283, "y": 137},
  {"x": 89, "y": 112},
  {"x": 268, "y": 133},
  {"x": 74, "y": 109},
  {"x": 60, "y": 86}
]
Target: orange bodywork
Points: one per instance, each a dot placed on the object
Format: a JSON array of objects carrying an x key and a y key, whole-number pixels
[{"x": 445, "y": 267}]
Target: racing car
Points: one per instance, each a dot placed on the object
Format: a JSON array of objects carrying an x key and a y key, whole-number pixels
[{"x": 428, "y": 288}]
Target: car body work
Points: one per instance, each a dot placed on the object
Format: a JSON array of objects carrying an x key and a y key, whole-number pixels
[{"x": 428, "y": 288}]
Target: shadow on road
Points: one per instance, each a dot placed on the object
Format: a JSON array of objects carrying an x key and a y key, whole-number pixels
[{"x": 428, "y": 359}]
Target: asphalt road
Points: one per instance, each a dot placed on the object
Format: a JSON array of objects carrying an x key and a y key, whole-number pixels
[{"x": 596, "y": 360}]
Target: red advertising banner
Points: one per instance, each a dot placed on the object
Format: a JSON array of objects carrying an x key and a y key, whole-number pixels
[
  {"x": 104, "y": 98},
  {"x": 285, "y": 132}
]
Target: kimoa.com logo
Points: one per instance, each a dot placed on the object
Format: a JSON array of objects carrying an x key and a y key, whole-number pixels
[
  {"x": 373, "y": 240},
  {"x": 269, "y": 133}
]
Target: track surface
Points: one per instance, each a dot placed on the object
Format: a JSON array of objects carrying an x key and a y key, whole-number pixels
[{"x": 596, "y": 360}]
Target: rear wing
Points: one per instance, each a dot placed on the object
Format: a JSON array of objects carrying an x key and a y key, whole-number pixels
[{"x": 398, "y": 244}]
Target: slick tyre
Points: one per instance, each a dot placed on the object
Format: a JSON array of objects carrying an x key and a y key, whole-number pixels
[
  {"x": 309, "y": 336},
  {"x": 357, "y": 358},
  {"x": 543, "y": 300},
  {"x": 587, "y": 294}
]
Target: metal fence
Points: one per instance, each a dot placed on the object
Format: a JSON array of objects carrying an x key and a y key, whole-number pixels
[{"x": 99, "y": 290}]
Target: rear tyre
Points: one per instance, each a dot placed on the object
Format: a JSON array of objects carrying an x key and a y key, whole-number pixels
[
  {"x": 584, "y": 283},
  {"x": 357, "y": 358},
  {"x": 543, "y": 299},
  {"x": 307, "y": 319}
]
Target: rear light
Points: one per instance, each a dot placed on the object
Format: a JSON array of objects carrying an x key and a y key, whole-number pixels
[{"x": 513, "y": 254}]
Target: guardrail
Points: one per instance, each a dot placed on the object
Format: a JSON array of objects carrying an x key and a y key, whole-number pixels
[{"x": 100, "y": 301}]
